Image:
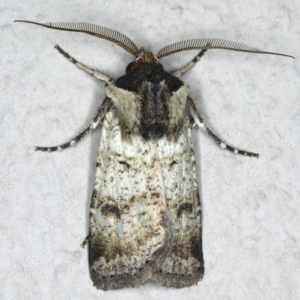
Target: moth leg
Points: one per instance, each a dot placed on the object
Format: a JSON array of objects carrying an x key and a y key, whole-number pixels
[
  {"x": 93, "y": 125},
  {"x": 75, "y": 140},
  {"x": 183, "y": 70},
  {"x": 79, "y": 65},
  {"x": 85, "y": 241},
  {"x": 199, "y": 121}
]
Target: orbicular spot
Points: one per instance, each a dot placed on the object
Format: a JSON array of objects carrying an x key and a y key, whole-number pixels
[
  {"x": 111, "y": 211},
  {"x": 173, "y": 163},
  {"x": 184, "y": 207}
]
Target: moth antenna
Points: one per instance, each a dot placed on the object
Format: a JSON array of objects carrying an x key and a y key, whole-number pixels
[
  {"x": 95, "y": 30},
  {"x": 211, "y": 43}
]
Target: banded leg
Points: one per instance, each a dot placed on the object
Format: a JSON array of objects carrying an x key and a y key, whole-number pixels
[
  {"x": 79, "y": 65},
  {"x": 199, "y": 121},
  {"x": 93, "y": 125},
  {"x": 183, "y": 70}
]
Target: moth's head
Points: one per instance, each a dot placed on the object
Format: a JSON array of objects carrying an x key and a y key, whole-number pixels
[{"x": 143, "y": 57}]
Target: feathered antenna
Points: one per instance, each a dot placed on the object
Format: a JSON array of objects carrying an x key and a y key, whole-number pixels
[
  {"x": 208, "y": 43},
  {"x": 95, "y": 30}
]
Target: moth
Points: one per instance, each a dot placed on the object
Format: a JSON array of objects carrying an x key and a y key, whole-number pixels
[{"x": 145, "y": 215}]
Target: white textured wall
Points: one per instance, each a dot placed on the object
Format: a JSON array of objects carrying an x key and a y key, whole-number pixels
[{"x": 251, "y": 210}]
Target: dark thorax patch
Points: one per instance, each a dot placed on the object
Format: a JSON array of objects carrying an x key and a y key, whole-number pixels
[
  {"x": 158, "y": 113},
  {"x": 147, "y": 72}
]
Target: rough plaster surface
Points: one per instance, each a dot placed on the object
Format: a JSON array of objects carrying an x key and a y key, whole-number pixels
[{"x": 251, "y": 211}]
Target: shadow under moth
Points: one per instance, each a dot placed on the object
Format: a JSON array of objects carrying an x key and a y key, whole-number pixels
[{"x": 145, "y": 214}]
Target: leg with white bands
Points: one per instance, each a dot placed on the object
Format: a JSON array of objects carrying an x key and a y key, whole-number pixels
[
  {"x": 93, "y": 125},
  {"x": 228, "y": 147},
  {"x": 79, "y": 65},
  {"x": 74, "y": 141},
  {"x": 183, "y": 70},
  {"x": 199, "y": 121}
]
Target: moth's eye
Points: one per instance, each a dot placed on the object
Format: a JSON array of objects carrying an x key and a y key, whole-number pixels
[{"x": 131, "y": 66}]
